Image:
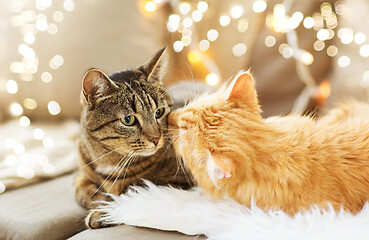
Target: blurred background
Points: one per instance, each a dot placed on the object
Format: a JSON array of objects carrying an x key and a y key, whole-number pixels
[{"x": 304, "y": 55}]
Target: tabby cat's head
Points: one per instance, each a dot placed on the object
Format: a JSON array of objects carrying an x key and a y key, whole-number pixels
[{"x": 127, "y": 111}]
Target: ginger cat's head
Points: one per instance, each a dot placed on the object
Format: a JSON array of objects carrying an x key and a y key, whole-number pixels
[{"x": 209, "y": 132}]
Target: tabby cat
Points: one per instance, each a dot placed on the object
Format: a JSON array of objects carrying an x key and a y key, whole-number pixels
[
  {"x": 124, "y": 134},
  {"x": 289, "y": 163}
]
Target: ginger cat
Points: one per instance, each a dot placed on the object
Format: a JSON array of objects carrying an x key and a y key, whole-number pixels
[{"x": 289, "y": 163}]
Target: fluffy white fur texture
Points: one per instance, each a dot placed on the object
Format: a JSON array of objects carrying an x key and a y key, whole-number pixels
[{"x": 192, "y": 213}]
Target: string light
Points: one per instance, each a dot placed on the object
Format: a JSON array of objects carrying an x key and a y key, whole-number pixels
[
  {"x": 324, "y": 89},
  {"x": 69, "y": 5},
  {"x": 174, "y": 18},
  {"x": 287, "y": 52},
  {"x": 364, "y": 83},
  {"x": 178, "y": 46},
  {"x": 187, "y": 32},
  {"x": 346, "y": 35},
  {"x": 318, "y": 21},
  {"x": 25, "y": 172},
  {"x": 259, "y": 6},
  {"x": 56, "y": 62},
  {"x": 309, "y": 22},
  {"x": 319, "y": 45},
  {"x": 41, "y": 23},
  {"x": 306, "y": 58},
  {"x": 279, "y": 11},
  {"x": 43, "y": 4},
  {"x": 196, "y": 16},
  {"x": 15, "y": 109},
  {"x": 24, "y": 121},
  {"x": 204, "y": 45},
  {"x": 26, "y": 51},
  {"x": 54, "y": 108},
  {"x": 46, "y": 77},
  {"x": 322, "y": 34},
  {"x": 11, "y": 86},
  {"x": 16, "y": 6},
  {"x": 30, "y": 103},
  {"x": 212, "y": 79},
  {"x": 236, "y": 11},
  {"x": 19, "y": 148},
  {"x": 340, "y": 7},
  {"x": 184, "y": 8},
  {"x": 364, "y": 50},
  {"x": 295, "y": 20},
  {"x": 332, "y": 51},
  {"x": 360, "y": 38},
  {"x": 224, "y": 20},
  {"x": 194, "y": 57},
  {"x": 52, "y": 29},
  {"x": 38, "y": 134},
  {"x": 48, "y": 142},
  {"x": 173, "y": 22},
  {"x": 17, "y": 67},
  {"x": 202, "y": 6},
  {"x": 270, "y": 41},
  {"x": 187, "y": 22},
  {"x": 239, "y": 49},
  {"x": 343, "y": 61},
  {"x": 29, "y": 38},
  {"x": 242, "y": 25},
  {"x": 58, "y": 16},
  {"x": 212, "y": 35},
  {"x": 186, "y": 40}
]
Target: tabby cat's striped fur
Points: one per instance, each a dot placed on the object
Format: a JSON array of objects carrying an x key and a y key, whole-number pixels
[{"x": 114, "y": 154}]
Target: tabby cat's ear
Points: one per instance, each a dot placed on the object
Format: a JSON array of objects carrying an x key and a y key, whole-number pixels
[
  {"x": 219, "y": 168},
  {"x": 156, "y": 67},
  {"x": 243, "y": 89},
  {"x": 95, "y": 84}
]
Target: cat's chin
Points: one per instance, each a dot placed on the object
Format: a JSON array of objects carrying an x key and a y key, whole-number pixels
[{"x": 147, "y": 152}]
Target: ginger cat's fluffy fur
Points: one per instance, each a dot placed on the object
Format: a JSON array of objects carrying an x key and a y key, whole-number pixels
[{"x": 289, "y": 163}]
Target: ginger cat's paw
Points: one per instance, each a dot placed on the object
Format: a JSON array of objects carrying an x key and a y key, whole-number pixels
[{"x": 93, "y": 220}]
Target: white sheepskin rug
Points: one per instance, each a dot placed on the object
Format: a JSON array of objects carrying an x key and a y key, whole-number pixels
[{"x": 192, "y": 213}]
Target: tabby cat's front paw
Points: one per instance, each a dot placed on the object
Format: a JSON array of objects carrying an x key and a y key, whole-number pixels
[{"x": 93, "y": 220}]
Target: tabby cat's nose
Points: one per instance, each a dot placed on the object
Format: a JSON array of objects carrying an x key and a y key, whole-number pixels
[{"x": 155, "y": 140}]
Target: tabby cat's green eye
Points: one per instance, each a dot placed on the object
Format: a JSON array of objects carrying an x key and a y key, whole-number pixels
[
  {"x": 159, "y": 112},
  {"x": 128, "y": 120}
]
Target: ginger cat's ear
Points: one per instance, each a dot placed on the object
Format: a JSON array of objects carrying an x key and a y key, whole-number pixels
[
  {"x": 243, "y": 89},
  {"x": 219, "y": 168},
  {"x": 96, "y": 83}
]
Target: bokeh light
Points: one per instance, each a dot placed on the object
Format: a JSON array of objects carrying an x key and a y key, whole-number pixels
[{"x": 212, "y": 79}]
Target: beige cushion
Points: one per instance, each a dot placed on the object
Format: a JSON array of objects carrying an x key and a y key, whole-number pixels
[
  {"x": 47, "y": 211},
  {"x": 131, "y": 233},
  {"x": 41, "y": 211}
]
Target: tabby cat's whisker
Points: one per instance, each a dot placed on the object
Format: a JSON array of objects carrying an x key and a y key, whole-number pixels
[
  {"x": 101, "y": 157},
  {"x": 116, "y": 178},
  {"x": 129, "y": 164},
  {"x": 112, "y": 172},
  {"x": 175, "y": 138},
  {"x": 181, "y": 165}
]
